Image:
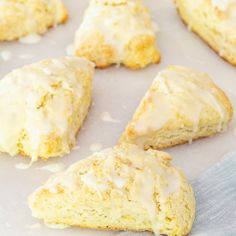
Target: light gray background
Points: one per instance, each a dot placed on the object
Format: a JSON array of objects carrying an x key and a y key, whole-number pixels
[{"x": 118, "y": 91}]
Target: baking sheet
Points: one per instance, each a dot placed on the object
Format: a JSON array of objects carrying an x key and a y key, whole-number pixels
[{"x": 117, "y": 91}]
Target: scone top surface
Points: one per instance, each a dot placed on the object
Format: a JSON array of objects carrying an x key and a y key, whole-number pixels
[
  {"x": 180, "y": 100},
  {"x": 113, "y": 30},
  {"x": 214, "y": 21},
  {"x": 43, "y": 105},
  {"x": 20, "y": 18},
  {"x": 122, "y": 188}
]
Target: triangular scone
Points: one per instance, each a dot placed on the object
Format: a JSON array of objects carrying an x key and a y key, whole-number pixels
[
  {"x": 121, "y": 188},
  {"x": 43, "y": 105},
  {"x": 181, "y": 105},
  {"x": 21, "y": 18},
  {"x": 117, "y": 32},
  {"x": 214, "y": 21}
]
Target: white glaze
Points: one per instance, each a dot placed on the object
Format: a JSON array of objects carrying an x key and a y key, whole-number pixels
[
  {"x": 23, "y": 166},
  {"x": 30, "y": 39},
  {"x": 30, "y": 85},
  {"x": 57, "y": 226},
  {"x": 222, "y": 5},
  {"x": 6, "y": 55},
  {"x": 26, "y": 56},
  {"x": 34, "y": 226},
  {"x": 141, "y": 167},
  {"x": 118, "y": 22},
  {"x": 95, "y": 147},
  {"x": 56, "y": 167},
  {"x": 70, "y": 50},
  {"x": 173, "y": 92},
  {"x": 106, "y": 116}
]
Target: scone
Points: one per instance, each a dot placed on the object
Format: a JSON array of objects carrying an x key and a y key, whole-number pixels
[
  {"x": 214, "y": 21},
  {"x": 117, "y": 32},
  {"x": 121, "y": 188},
  {"x": 181, "y": 105},
  {"x": 20, "y": 18},
  {"x": 43, "y": 105}
]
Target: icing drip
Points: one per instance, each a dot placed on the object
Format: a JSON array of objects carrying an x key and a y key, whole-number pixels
[
  {"x": 118, "y": 22},
  {"x": 34, "y": 101},
  {"x": 118, "y": 169},
  {"x": 223, "y": 5},
  {"x": 175, "y": 94}
]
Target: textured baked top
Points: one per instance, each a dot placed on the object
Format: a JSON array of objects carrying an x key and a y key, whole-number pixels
[
  {"x": 117, "y": 21},
  {"x": 20, "y": 18},
  {"x": 124, "y": 174},
  {"x": 38, "y": 100},
  {"x": 180, "y": 92}
]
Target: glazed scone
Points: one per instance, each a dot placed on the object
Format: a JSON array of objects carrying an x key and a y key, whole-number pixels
[
  {"x": 20, "y": 18},
  {"x": 120, "y": 188},
  {"x": 43, "y": 105},
  {"x": 181, "y": 105},
  {"x": 117, "y": 32},
  {"x": 214, "y": 21}
]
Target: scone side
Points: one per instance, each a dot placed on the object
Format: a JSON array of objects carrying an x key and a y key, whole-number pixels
[
  {"x": 40, "y": 202},
  {"x": 94, "y": 48},
  {"x": 172, "y": 130},
  {"x": 171, "y": 135},
  {"x": 213, "y": 45},
  {"x": 140, "y": 52},
  {"x": 15, "y": 28}
]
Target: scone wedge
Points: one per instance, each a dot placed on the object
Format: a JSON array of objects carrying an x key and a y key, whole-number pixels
[
  {"x": 214, "y": 21},
  {"x": 20, "y": 18},
  {"x": 117, "y": 32},
  {"x": 120, "y": 188},
  {"x": 43, "y": 105},
  {"x": 180, "y": 106}
]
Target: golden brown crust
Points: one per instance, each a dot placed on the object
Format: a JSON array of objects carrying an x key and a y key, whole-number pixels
[
  {"x": 74, "y": 197},
  {"x": 96, "y": 50},
  {"x": 108, "y": 44},
  {"x": 209, "y": 42},
  {"x": 177, "y": 129},
  {"x": 20, "y": 22}
]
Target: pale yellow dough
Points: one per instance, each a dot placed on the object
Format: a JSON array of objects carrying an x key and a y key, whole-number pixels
[
  {"x": 180, "y": 106},
  {"x": 19, "y": 18},
  {"x": 214, "y": 21},
  {"x": 120, "y": 188},
  {"x": 43, "y": 105},
  {"x": 117, "y": 32}
]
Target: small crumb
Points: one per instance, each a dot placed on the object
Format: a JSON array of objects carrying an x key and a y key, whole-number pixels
[
  {"x": 6, "y": 55},
  {"x": 24, "y": 166},
  {"x": 54, "y": 168},
  {"x": 57, "y": 226},
  {"x": 31, "y": 39},
  {"x": 105, "y": 116},
  {"x": 70, "y": 50},
  {"x": 95, "y": 147},
  {"x": 34, "y": 226},
  {"x": 26, "y": 56}
]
